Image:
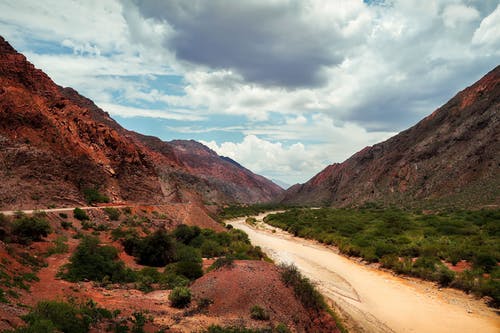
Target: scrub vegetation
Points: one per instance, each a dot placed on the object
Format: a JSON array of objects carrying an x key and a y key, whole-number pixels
[{"x": 410, "y": 243}]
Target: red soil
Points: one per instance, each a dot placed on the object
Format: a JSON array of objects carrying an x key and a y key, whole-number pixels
[
  {"x": 234, "y": 291},
  {"x": 461, "y": 266}
]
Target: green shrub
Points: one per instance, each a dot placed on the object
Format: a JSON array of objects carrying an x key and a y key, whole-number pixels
[
  {"x": 188, "y": 253},
  {"x": 281, "y": 328},
  {"x": 54, "y": 316},
  {"x": 66, "y": 225},
  {"x": 59, "y": 246},
  {"x": 251, "y": 220},
  {"x": 223, "y": 262},
  {"x": 80, "y": 214},
  {"x": 185, "y": 234},
  {"x": 118, "y": 233},
  {"x": 3, "y": 298},
  {"x": 38, "y": 326},
  {"x": 485, "y": 261},
  {"x": 63, "y": 215},
  {"x": 171, "y": 280},
  {"x": 189, "y": 262},
  {"x": 210, "y": 248},
  {"x": 305, "y": 292},
  {"x": 113, "y": 213},
  {"x": 444, "y": 276},
  {"x": 95, "y": 262},
  {"x": 62, "y": 316},
  {"x": 146, "y": 277},
  {"x": 93, "y": 196},
  {"x": 259, "y": 313},
  {"x": 30, "y": 229},
  {"x": 394, "y": 237},
  {"x": 157, "y": 249},
  {"x": 191, "y": 270},
  {"x": 180, "y": 297}
]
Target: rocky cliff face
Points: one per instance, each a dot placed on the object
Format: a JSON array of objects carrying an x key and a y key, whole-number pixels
[
  {"x": 450, "y": 158},
  {"x": 54, "y": 143}
]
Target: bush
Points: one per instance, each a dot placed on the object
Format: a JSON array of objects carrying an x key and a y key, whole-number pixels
[
  {"x": 258, "y": 313},
  {"x": 60, "y": 246},
  {"x": 63, "y": 215},
  {"x": 93, "y": 196},
  {"x": 188, "y": 254},
  {"x": 80, "y": 214},
  {"x": 113, "y": 213},
  {"x": 444, "y": 276},
  {"x": 251, "y": 221},
  {"x": 210, "y": 248},
  {"x": 191, "y": 270},
  {"x": 302, "y": 287},
  {"x": 185, "y": 234},
  {"x": 157, "y": 249},
  {"x": 66, "y": 225},
  {"x": 54, "y": 316},
  {"x": 180, "y": 297},
  {"x": 485, "y": 261},
  {"x": 171, "y": 280},
  {"x": 189, "y": 262},
  {"x": 31, "y": 229},
  {"x": 281, "y": 328},
  {"x": 223, "y": 262},
  {"x": 95, "y": 262},
  {"x": 59, "y": 315}
]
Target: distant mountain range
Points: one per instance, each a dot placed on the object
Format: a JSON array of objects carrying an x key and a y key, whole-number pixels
[
  {"x": 281, "y": 183},
  {"x": 55, "y": 144},
  {"x": 450, "y": 158}
]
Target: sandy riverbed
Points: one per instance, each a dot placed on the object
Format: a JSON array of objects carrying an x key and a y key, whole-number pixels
[{"x": 375, "y": 300}]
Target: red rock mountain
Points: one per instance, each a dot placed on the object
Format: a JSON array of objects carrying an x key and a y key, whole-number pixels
[
  {"x": 450, "y": 158},
  {"x": 54, "y": 143}
]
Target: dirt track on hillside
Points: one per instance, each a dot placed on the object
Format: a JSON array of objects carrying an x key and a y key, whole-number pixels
[{"x": 373, "y": 300}]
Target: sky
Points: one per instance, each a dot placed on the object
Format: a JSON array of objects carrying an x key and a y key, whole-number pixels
[{"x": 283, "y": 87}]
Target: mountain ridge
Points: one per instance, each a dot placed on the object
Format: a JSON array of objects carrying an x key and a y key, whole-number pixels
[
  {"x": 448, "y": 158},
  {"x": 55, "y": 143}
]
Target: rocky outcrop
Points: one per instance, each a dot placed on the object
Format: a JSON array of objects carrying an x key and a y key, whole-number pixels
[
  {"x": 450, "y": 158},
  {"x": 54, "y": 143}
]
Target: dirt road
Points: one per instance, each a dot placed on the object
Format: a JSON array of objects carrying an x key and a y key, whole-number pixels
[{"x": 374, "y": 300}]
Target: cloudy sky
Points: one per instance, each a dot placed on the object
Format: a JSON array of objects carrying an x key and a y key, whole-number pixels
[{"x": 283, "y": 87}]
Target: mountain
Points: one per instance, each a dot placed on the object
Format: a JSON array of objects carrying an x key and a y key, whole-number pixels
[
  {"x": 281, "y": 183},
  {"x": 55, "y": 144},
  {"x": 450, "y": 158}
]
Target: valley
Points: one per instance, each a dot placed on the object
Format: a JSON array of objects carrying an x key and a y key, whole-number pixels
[
  {"x": 105, "y": 229},
  {"x": 373, "y": 300}
]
